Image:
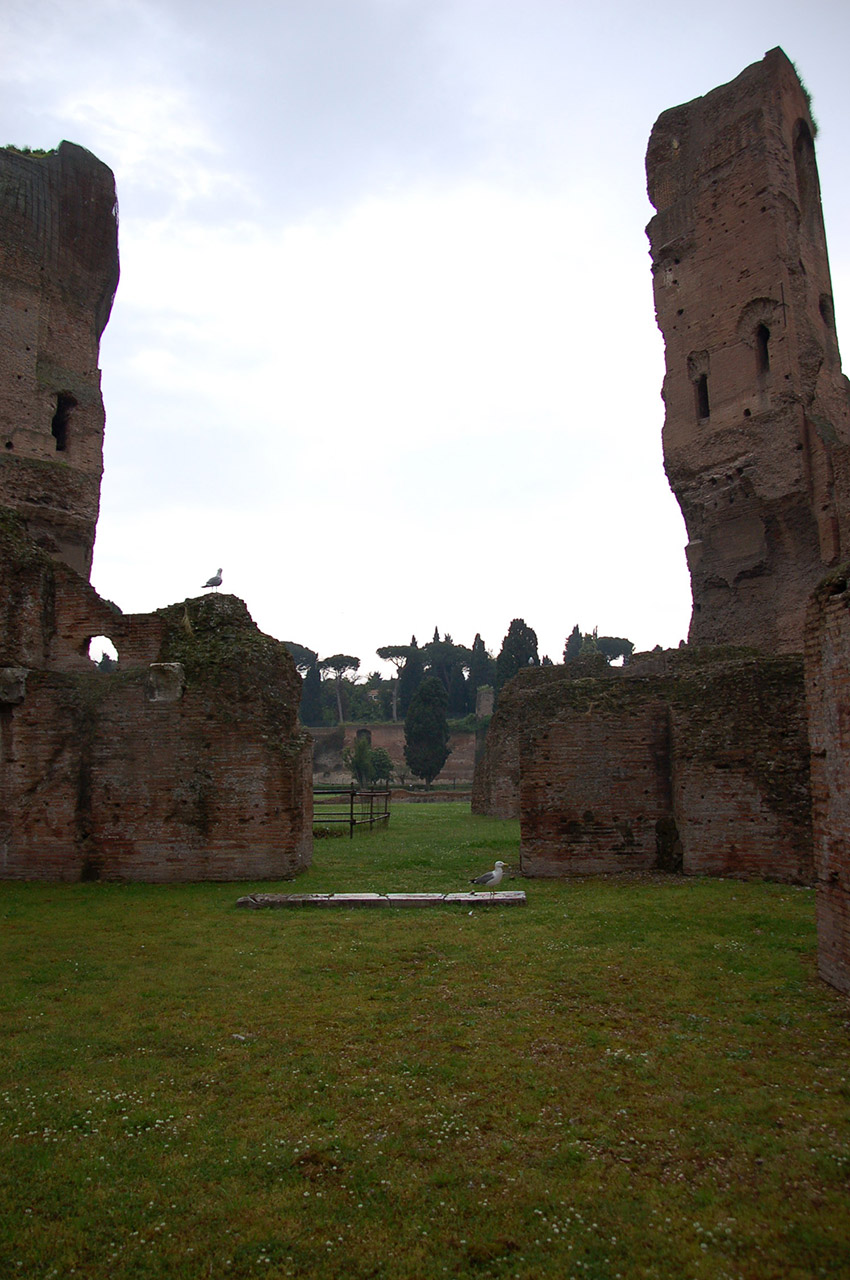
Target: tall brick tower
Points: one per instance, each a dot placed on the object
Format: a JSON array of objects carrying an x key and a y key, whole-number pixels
[
  {"x": 757, "y": 423},
  {"x": 58, "y": 275}
]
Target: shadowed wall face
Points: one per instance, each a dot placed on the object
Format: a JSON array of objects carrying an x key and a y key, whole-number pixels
[
  {"x": 59, "y": 232},
  {"x": 828, "y": 697},
  {"x": 690, "y": 760},
  {"x": 757, "y": 422}
]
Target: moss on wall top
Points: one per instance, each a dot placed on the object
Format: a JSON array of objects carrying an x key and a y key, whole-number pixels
[{"x": 224, "y": 652}]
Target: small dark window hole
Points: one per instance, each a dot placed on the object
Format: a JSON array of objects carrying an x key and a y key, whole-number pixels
[
  {"x": 62, "y": 419},
  {"x": 701, "y": 386},
  {"x": 762, "y": 349}
]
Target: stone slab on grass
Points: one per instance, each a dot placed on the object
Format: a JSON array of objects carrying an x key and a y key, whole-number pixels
[{"x": 509, "y": 898}]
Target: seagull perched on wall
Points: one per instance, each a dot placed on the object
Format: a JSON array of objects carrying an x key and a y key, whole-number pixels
[
  {"x": 214, "y": 582},
  {"x": 491, "y": 879}
]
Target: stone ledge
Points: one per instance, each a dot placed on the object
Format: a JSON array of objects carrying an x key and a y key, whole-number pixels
[{"x": 509, "y": 898}]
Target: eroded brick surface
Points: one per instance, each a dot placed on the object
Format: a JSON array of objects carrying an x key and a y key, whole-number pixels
[
  {"x": 692, "y": 760},
  {"x": 59, "y": 232},
  {"x": 102, "y": 778},
  {"x": 187, "y": 761},
  {"x": 757, "y": 418},
  {"x": 828, "y": 692}
]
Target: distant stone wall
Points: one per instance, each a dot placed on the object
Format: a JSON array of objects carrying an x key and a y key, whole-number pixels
[
  {"x": 331, "y": 741},
  {"x": 828, "y": 690}
]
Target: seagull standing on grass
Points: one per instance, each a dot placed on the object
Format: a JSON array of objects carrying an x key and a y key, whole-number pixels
[
  {"x": 215, "y": 581},
  {"x": 491, "y": 879}
]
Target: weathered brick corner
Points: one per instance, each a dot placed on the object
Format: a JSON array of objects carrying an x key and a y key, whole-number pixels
[{"x": 828, "y": 695}]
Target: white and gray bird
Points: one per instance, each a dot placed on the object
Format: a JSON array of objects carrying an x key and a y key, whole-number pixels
[
  {"x": 491, "y": 879},
  {"x": 214, "y": 582}
]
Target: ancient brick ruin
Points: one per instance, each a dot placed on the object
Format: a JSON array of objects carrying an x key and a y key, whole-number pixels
[
  {"x": 186, "y": 762},
  {"x": 757, "y": 419},
  {"x": 59, "y": 237},
  {"x": 689, "y": 760},
  {"x": 699, "y": 759},
  {"x": 828, "y": 697}
]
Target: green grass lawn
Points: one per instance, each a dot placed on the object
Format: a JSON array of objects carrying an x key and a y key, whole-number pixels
[{"x": 623, "y": 1078}]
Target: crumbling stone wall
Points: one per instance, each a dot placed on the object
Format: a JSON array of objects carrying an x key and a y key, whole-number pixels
[
  {"x": 59, "y": 270},
  {"x": 495, "y": 787},
  {"x": 329, "y": 742},
  {"x": 495, "y": 783},
  {"x": 757, "y": 421},
  {"x": 594, "y": 782},
  {"x": 741, "y": 797},
  {"x": 828, "y": 693},
  {"x": 691, "y": 760},
  {"x": 185, "y": 763}
]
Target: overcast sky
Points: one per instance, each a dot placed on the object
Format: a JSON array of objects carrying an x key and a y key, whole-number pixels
[{"x": 384, "y": 345}]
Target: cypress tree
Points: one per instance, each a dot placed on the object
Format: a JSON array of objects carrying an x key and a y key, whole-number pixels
[
  {"x": 573, "y": 646},
  {"x": 410, "y": 677},
  {"x": 311, "y": 696},
  {"x": 482, "y": 670},
  {"x": 519, "y": 650},
  {"x": 426, "y": 731}
]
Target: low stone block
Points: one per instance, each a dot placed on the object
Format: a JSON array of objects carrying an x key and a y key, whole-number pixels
[
  {"x": 166, "y": 682},
  {"x": 13, "y": 685}
]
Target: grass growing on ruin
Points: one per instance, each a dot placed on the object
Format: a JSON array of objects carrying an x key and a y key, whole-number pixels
[{"x": 626, "y": 1079}]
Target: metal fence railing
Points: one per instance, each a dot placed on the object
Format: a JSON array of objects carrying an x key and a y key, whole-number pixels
[{"x": 348, "y": 806}]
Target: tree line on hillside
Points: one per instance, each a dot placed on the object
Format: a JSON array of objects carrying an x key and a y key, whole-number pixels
[{"x": 331, "y": 693}]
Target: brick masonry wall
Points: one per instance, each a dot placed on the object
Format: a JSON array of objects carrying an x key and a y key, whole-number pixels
[
  {"x": 331, "y": 741},
  {"x": 59, "y": 231},
  {"x": 593, "y": 789},
  {"x": 740, "y": 769},
  {"x": 186, "y": 763},
  {"x": 693, "y": 759},
  {"x": 495, "y": 788},
  {"x": 101, "y": 782},
  {"x": 495, "y": 785},
  {"x": 191, "y": 768},
  {"x": 828, "y": 693},
  {"x": 757, "y": 418}
]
